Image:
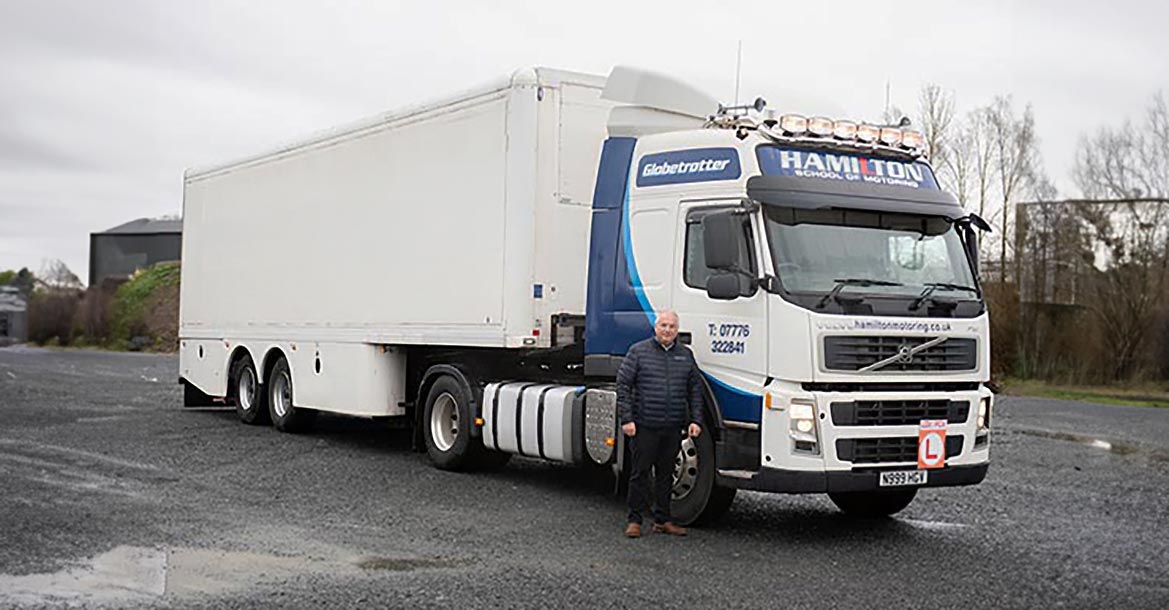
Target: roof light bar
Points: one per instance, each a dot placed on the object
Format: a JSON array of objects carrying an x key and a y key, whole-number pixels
[{"x": 798, "y": 125}]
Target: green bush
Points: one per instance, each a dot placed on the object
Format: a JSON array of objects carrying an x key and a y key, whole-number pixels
[{"x": 147, "y": 307}]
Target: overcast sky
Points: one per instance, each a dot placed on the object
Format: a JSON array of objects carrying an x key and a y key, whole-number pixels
[{"x": 104, "y": 103}]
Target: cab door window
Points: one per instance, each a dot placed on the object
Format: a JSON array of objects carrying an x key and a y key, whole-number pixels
[{"x": 696, "y": 273}]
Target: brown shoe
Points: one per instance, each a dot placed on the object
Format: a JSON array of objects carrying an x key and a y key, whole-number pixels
[
  {"x": 669, "y": 528},
  {"x": 633, "y": 530}
]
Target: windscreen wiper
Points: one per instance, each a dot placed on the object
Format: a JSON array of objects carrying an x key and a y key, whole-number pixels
[
  {"x": 863, "y": 283},
  {"x": 930, "y": 287}
]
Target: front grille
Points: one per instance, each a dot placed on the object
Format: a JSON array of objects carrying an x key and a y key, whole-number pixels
[
  {"x": 895, "y": 449},
  {"x": 898, "y": 412},
  {"x": 848, "y": 353}
]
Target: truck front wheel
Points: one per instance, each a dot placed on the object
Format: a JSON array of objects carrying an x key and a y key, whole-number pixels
[
  {"x": 871, "y": 504},
  {"x": 697, "y": 498},
  {"x": 446, "y": 429},
  {"x": 446, "y": 424}
]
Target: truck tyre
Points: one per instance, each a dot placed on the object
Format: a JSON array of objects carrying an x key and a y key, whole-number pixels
[
  {"x": 446, "y": 429},
  {"x": 251, "y": 402},
  {"x": 285, "y": 416},
  {"x": 446, "y": 424},
  {"x": 872, "y": 504},
  {"x": 698, "y": 499}
]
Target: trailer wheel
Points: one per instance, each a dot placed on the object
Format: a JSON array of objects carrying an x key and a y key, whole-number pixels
[
  {"x": 285, "y": 416},
  {"x": 251, "y": 402},
  {"x": 872, "y": 504},
  {"x": 697, "y": 497}
]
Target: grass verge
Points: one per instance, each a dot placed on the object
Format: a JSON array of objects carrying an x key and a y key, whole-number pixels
[{"x": 1134, "y": 396}]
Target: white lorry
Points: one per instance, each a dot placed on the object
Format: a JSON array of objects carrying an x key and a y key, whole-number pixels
[{"x": 478, "y": 267}]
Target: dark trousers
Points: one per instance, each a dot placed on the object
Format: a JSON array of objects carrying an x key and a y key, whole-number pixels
[{"x": 653, "y": 449}]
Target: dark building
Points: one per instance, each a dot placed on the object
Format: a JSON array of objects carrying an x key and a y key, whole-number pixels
[
  {"x": 124, "y": 249},
  {"x": 13, "y": 316}
]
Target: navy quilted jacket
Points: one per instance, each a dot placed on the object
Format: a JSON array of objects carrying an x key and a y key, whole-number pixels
[{"x": 659, "y": 388}]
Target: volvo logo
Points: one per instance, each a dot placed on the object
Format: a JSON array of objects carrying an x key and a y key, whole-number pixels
[{"x": 905, "y": 354}]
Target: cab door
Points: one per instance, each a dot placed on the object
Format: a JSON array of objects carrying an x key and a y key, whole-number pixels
[{"x": 728, "y": 337}]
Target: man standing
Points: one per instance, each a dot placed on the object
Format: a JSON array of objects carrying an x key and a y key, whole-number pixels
[{"x": 659, "y": 398}]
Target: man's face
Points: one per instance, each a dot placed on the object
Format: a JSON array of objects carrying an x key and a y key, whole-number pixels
[{"x": 666, "y": 328}]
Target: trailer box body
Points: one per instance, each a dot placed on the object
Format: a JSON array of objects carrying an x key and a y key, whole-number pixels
[{"x": 417, "y": 227}]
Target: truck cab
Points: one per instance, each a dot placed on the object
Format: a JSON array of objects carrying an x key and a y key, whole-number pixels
[{"x": 827, "y": 287}]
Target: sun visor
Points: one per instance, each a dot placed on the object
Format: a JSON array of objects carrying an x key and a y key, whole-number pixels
[{"x": 804, "y": 193}]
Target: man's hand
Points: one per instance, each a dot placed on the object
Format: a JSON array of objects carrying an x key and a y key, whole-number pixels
[
  {"x": 629, "y": 429},
  {"x": 695, "y": 430}
]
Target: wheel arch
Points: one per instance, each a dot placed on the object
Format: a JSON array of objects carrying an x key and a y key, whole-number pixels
[
  {"x": 238, "y": 354},
  {"x": 271, "y": 357},
  {"x": 711, "y": 409}
]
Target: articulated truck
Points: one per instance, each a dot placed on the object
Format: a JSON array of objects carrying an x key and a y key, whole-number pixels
[{"x": 477, "y": 268}]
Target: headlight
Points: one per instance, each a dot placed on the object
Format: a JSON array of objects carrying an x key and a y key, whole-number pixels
[
  {"x": 802, "y": 415},
  {"x": 984, "y": 414}
]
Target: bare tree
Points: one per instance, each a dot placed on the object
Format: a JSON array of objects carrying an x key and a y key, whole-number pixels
[
  {"x": 982, "y": 153},
  {"x": 935, "y": 111},
  {"x": 956, "y": 169},
  {"x": 56, "y": 274},
  {"x": 1129, "y": 161},
  {"x": 1130, "y": 167},
  {"x": 1014, "y": 149}
]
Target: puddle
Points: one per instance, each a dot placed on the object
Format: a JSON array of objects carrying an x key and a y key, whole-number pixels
[
  {"x": 129, "y": 575},
  {"x": 1113, "y": 447}
]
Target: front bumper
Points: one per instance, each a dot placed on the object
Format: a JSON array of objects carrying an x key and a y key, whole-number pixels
[{"x": 796, "y": 481}]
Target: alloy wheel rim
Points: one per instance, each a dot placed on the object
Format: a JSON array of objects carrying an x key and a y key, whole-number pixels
[
  {"x": 685, "y": 469},
  {"x": 247, "y": 389},
  {"x": 444, "y": 422},
  {"x": 281, "y": 397}
]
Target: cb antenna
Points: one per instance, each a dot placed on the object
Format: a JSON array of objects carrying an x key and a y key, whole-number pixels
[{"x": 738, "y": 70}]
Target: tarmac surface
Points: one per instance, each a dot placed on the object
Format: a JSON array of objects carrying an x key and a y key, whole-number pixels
[{"x": 113, "y": 495}]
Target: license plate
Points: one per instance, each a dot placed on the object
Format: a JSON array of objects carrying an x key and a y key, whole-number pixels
[{"x": 904, "y": 477}]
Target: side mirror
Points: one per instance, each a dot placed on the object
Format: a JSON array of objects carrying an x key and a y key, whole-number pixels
[
  {"x": 967, "y": 225},
  {"x": 720, "y": 235},
  {"x": 971, "y": 243},
  {"x": 723, "y": 286}
]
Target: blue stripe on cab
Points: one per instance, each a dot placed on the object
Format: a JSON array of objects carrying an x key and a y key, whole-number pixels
[
  {"x": 734, "y": 403},
  {"x": 615, "y": 314}
]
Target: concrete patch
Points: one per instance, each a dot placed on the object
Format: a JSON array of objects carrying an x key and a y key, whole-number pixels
[
  {"x": 132, "y": 575},
  {"x": 124, "y": 574},
  {"x": 1114, "y": 447},
  {"x": 935, "y": 526}
]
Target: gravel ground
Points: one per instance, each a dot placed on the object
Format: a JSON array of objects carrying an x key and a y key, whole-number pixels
[{"x": 112, "y": 495}]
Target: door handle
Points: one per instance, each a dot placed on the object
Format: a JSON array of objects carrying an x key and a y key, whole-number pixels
[{"x": 685, "y": 338}]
